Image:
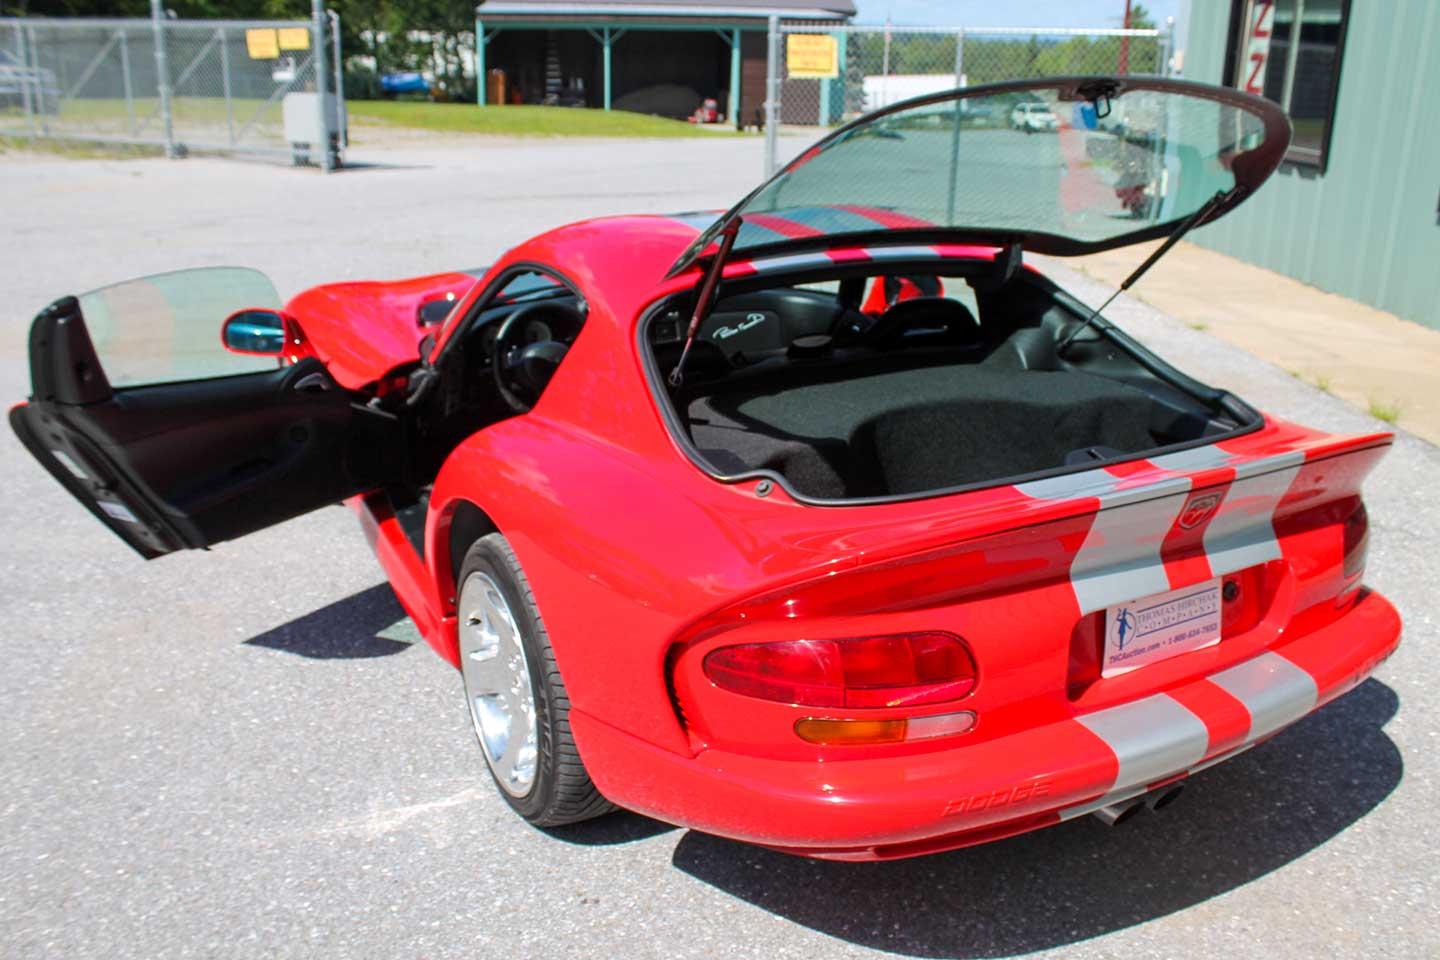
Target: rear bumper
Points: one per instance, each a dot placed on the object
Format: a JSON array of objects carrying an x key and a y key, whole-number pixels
[{"x": 903, "y": 806}]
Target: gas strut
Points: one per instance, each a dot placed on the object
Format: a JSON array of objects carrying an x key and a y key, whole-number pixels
[
  {"x": 705, "y": 299},
  {"x": 1207, "y": 209}
]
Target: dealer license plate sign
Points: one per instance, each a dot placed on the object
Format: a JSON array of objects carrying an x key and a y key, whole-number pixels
[{"x": 1160, "y": 627}]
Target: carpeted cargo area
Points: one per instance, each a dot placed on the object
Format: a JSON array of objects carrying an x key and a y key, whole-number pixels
[{"x": 910, "y": 431}]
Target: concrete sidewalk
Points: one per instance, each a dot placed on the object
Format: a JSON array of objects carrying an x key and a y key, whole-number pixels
[{"x": 1384, "y": 365}]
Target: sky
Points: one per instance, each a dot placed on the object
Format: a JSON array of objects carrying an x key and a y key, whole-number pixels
[{"x": 1007, "y": 13}]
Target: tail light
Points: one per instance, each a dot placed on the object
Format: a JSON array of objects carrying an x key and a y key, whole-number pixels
[
  {"x": 1357, "y": 540},
  {"x": 907, "y": 669}
]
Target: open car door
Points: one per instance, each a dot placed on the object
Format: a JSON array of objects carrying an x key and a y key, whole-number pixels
[{"x": 172, "y": 442}]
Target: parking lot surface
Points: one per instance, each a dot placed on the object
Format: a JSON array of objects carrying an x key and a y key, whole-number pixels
[{"x": 243, "y": 752}]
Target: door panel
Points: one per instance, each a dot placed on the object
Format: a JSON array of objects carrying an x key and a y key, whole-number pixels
[{"x": 190, "y": 464}]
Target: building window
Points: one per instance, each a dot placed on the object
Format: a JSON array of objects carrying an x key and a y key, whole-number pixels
[{"x": 1302, "y": 76}]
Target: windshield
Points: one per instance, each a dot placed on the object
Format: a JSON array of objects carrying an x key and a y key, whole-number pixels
[{"x": 1104, "y": 170}]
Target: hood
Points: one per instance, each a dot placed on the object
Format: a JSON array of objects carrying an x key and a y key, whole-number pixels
[
  {"x": 362, "y": 330},
  {"x": 1128, "y": 159}
]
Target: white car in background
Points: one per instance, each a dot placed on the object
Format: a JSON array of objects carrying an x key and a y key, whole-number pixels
[{"x": 1033, "y": 117}]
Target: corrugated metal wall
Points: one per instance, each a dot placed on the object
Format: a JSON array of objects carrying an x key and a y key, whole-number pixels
[{"x": 1369, "y": 228}]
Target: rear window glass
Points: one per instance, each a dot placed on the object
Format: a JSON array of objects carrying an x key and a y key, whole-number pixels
[{"x": 1019, "y": 162}]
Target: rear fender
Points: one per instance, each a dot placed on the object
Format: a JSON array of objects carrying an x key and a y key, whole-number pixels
[{"x": 614, "y": 584}]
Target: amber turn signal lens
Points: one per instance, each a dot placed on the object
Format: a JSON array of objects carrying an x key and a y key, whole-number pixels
[
  {"x": 833, "y": 732},
  {"x": 850, "y": 731}
]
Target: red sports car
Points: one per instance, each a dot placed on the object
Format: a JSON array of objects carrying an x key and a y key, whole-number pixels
[{"x": 827, "y": 523}]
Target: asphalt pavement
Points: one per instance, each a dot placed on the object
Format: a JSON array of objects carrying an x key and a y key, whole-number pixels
[{"x": 244, "y": 752}]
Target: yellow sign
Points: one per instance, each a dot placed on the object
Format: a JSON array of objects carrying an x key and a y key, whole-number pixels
[
  {"x": 262, "y": 44},
  {"x": 812, "y": 55},
  {"x": 294, "y": 38}
]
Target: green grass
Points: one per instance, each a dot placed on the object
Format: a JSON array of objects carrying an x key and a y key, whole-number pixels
[
  {"x": 1199, "y": 326},
  {"x": 518, "y": 121},
  {"x": 1322, "y": 382},
  {"x": 78, "y": 149},
  {"x": 111, "y": 117},
  {"x": 1388, "y": 412}
]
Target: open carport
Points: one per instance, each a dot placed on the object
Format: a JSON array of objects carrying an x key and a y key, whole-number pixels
[{"x": 655, "y": 56}]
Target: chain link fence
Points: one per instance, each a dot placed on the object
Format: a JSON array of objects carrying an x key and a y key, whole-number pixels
[
  {"x": 823, "y": 76},
  {"x": 214, "y": 86}
]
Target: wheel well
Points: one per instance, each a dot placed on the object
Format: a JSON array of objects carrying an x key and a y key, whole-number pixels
[{"x": 468, "y": 523}]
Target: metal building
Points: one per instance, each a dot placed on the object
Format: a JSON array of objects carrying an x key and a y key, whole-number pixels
[
  {"x": 651, "y": 56},
  {"x": 1356, "y": 208}
]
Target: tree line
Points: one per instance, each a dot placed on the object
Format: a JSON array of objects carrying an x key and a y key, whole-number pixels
[
  {"x": 438, "y": 37},
  {"x": 435, "y": 36},
  {"x": 990, "y": 59}
]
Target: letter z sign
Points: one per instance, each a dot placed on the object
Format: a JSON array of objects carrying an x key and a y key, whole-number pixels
[{"x": 1257, "y": 45}]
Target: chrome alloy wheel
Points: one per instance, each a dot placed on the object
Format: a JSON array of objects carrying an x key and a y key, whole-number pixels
[{"x": 497, "y": 684}]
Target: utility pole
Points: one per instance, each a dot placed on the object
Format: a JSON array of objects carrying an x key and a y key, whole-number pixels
[
  {"x": 1123, "y": 67},
  {"x": 162, "y": 76}
]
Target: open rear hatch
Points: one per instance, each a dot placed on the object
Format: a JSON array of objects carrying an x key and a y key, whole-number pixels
[
  {"x": 1131, "y": 159},
  {"x": 983, "y": 373}
]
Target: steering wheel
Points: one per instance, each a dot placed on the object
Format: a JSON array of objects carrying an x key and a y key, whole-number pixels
[
  {"x": 940, "y": 316},
  {"x": 529, "y": 348}
]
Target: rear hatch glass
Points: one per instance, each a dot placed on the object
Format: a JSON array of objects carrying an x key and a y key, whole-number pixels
[{"x": 1115, "y": 161}]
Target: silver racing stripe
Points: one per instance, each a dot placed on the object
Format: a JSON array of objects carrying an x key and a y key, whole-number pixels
[
  {"x": 1120, "y": 557},
  {"x": 1275, "y": 691},
  {"x": 1158, "y": 737},
  {"x": 1152, "y": 738},
  {"x": 902, "y": 253},
  {"x": 1072, "y": 486},
  {"x": 799, "y": 261},
  {"x": 1200, "y": 458},
  {"x": 1242, "y": 532},
  {"x": 876, "y": 254}
]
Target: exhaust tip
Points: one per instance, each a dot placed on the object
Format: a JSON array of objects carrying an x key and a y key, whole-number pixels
[
  {"x": 1162, "y": 798},
  {"x": 1117, "y": 813}
]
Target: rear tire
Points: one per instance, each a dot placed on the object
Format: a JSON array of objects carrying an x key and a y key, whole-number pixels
[{"x": 514, "y": 692}]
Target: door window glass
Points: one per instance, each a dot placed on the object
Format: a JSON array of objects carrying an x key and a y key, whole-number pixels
[{"x": 166, "y": 328}]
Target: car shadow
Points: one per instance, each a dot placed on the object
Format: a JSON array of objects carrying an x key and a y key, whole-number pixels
[
  {"x": 1236, "y": 822},
  {"x": 361, "y": 166},
  {"x": 362, "y": 626},
  {"x": 619, "y": 827}
]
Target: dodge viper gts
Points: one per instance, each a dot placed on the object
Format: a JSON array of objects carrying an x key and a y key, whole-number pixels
[{"x": 827, "y": 523}]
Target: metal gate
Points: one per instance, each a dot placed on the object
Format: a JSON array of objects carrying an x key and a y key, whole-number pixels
[
  {"x": 270, "y": 87},
  {"x": 820, "y": 76}
]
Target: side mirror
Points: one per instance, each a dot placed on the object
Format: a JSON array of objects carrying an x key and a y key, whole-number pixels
[
  {"x": 254, "y": 331},
  {"x": 435, "y": 311}
]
